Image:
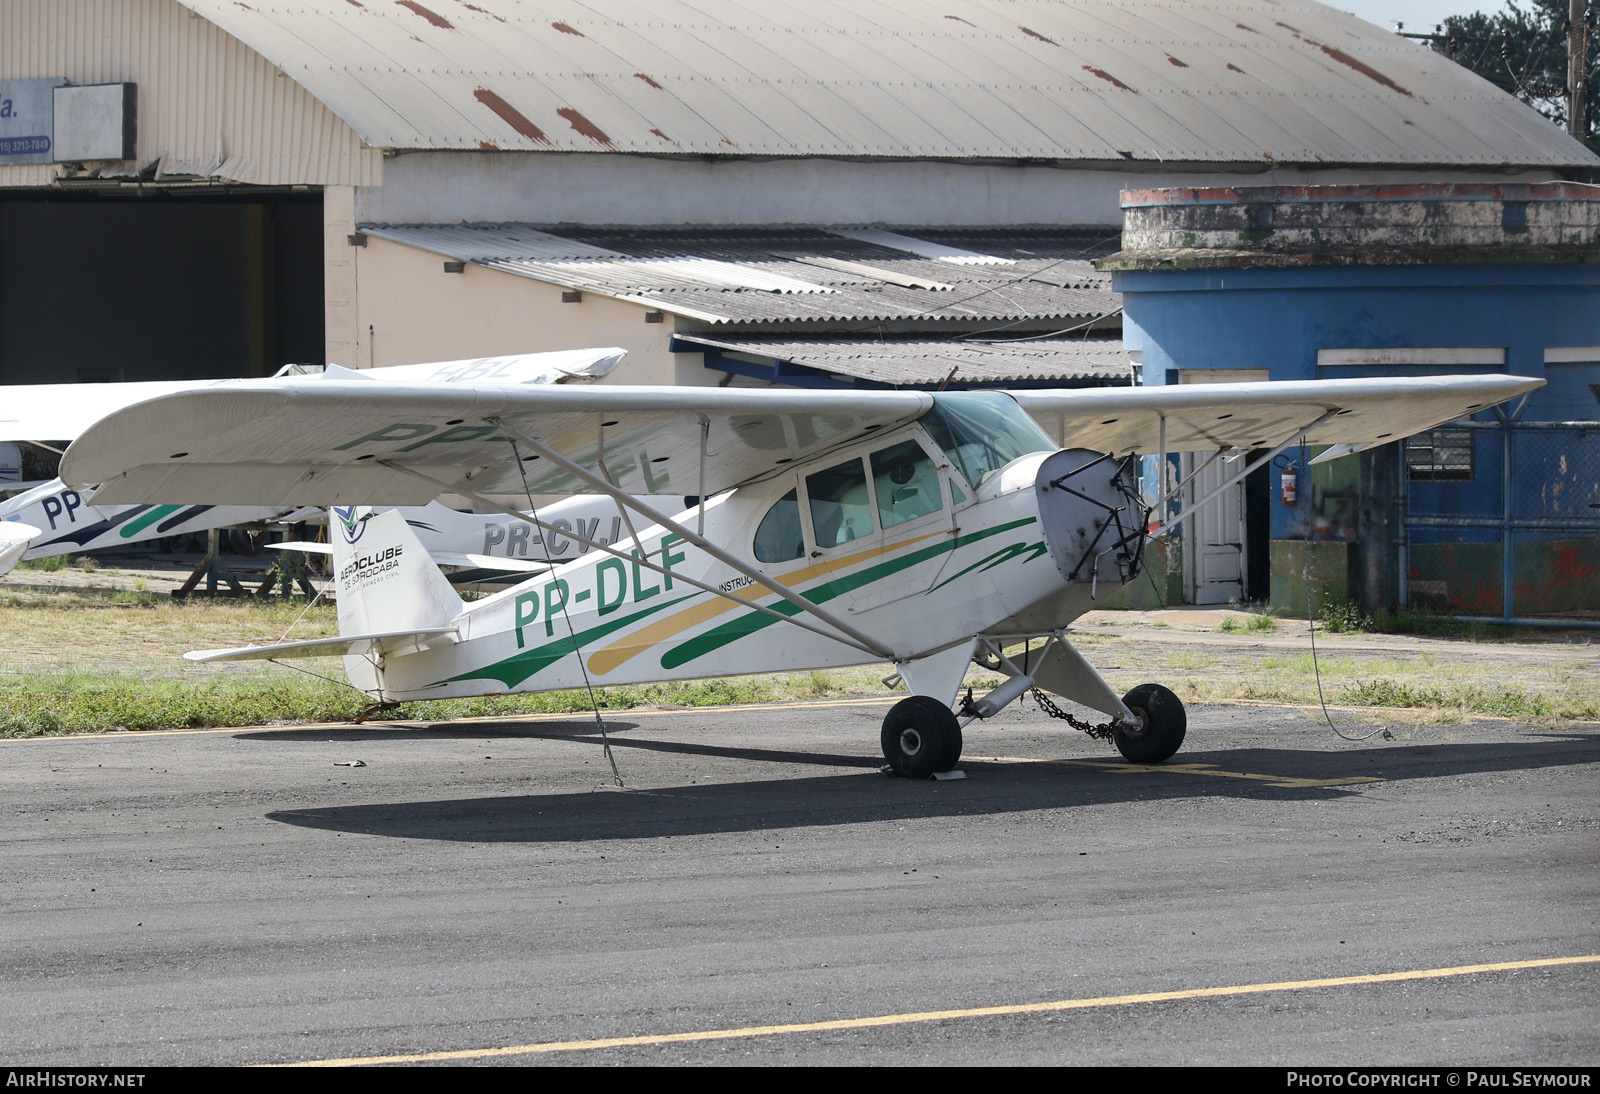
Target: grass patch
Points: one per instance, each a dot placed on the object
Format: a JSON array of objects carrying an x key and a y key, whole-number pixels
[
  {"x": 96, "y": 660},
  {"x": 1438, "y": 626},
  {"x": 1507, "y": 702},
  {"x": 47, "y": 565},
  {"x": 1254, "y": 623},
  {"x": 98, "y": 702},
  {"x": 1346, "y": 618}
]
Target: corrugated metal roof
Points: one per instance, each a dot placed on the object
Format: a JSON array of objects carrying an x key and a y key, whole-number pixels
[
  {"x": 1200, "y": 81},
  {"x": 922, "y": 362},
  {"x": 771, "y": 275},
  {"x": 208, "y": 105}
]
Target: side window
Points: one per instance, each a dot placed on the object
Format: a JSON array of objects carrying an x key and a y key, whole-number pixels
[
  {"x": 906, "y": 484},
  {"x": 840, "y": 509},
  {"x": 778, "y": 538}
]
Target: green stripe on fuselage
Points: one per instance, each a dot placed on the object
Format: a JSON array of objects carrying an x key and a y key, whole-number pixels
[
  {"x": 134, "y": 527},
  {"x": 753, "y": 621},
  {"x": 989, "y": 562},
  {"x": 514, "y": 670}
]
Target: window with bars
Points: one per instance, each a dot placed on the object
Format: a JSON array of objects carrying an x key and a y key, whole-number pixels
[{"x": 1440, "y": 455}]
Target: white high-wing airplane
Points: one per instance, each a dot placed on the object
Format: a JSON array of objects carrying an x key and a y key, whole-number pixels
[
  {"x": 926, "y": 530},
  {"x": 61, "y": 520}
]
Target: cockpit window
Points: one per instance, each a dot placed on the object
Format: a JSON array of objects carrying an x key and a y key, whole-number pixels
[
  {"x": 778, "y": 537},
  {"x": 906, "y": 483},
  {"x": 840, "y": 509},
  {"x": 982, "y": 431}
]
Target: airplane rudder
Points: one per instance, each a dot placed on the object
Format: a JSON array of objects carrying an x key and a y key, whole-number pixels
[{"x": 384, "y": 577}]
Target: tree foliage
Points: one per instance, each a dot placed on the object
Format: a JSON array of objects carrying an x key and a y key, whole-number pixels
[{"x": 1523, "y": 50}]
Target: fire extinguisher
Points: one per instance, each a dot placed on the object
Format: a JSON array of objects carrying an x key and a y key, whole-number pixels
[{"x": 1288, "y": 478}]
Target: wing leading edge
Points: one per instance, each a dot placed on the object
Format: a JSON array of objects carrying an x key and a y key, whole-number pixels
[
  {"x": 1202, "y": 417},
  {"x": 330, "y": 442},
  {"x": 343, "y": 442}
]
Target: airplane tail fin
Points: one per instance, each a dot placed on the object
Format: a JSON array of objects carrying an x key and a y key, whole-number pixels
[
  {"x": 393, "y": 601},
  {"x": 385, "y": 581}
]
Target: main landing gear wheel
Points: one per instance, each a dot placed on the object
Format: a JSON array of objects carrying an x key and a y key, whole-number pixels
[
  {"x": 1162, "y": 723},
  {"x": 921, "y": 737}
]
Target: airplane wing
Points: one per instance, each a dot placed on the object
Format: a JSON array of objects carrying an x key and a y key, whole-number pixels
[
  {"x": 549, "y": 367},
  {"x": 337, "y": 442},
  {"x": 353, "y": 442},
  {"x": 1264, "y": 414},
  {"x": 61, "y": 412}
]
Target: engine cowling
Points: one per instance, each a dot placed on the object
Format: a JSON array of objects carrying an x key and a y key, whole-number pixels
[{"x": 1092, "y": 516}]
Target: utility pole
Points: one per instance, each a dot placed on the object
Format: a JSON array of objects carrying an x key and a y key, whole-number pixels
[{"x": 1577, "y": 68}]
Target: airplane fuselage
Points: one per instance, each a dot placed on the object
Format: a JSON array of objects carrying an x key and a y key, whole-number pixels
[{"x": 891, "y": 536}]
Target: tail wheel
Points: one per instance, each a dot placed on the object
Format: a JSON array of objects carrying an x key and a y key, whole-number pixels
[
  {"x": 921, "y": 737},
  {"x": 1162, "y": 722}
]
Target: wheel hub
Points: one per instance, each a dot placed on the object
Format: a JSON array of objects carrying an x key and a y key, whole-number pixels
[
  {"x": 910, "y": 742},
  {"x": 1135, "y": 729}
]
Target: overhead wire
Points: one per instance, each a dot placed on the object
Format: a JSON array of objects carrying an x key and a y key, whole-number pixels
[
  {"x": 1311, "y": 628},
  {"x": 577, "y": 648}
]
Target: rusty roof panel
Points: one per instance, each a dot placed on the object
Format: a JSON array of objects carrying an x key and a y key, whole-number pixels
[
  {"x": 797, "y": 275},
  {"x": 1200, "y": 81}
]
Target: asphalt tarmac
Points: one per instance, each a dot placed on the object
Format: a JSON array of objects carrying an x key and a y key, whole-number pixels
[{"x": 760, "y": 894}]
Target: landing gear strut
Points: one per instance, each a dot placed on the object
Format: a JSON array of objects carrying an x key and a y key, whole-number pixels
[{"x": 921, "y": 737}]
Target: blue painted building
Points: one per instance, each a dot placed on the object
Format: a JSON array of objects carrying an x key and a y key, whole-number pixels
[{"x": 1289, "y": 283}]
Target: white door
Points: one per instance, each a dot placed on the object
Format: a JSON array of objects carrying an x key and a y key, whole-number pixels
[{"x": 1213, "y": 545}]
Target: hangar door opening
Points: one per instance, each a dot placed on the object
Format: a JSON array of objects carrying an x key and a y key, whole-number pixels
[{"x": 97, "y": 288}]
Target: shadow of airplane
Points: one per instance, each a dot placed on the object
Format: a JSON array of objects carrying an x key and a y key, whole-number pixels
[{"x": 994, "y": 787}]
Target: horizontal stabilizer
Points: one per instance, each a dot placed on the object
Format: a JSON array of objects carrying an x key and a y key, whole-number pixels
[
  {"x": 492, "y": 562},
  {"x": 344, "y": 644},
  {"x": 303, "y": 545}
]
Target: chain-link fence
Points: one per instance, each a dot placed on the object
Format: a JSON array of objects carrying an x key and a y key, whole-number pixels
[{"x": 1502, "y": 520}]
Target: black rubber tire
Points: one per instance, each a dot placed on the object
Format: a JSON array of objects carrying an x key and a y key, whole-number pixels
[
  {"x": 1164, "y": 723},
  {"x": 921, "y": 737},
  {"x": 247, "y": 542}
]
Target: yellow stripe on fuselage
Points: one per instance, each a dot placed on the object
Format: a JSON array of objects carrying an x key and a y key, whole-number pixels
[{"x": 611, "y": 657}]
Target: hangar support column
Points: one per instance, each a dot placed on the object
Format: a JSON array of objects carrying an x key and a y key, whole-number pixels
[{"x": 343, "y": 317}]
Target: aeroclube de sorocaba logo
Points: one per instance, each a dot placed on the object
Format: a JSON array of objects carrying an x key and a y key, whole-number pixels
[{"x": 350, "y": 526}]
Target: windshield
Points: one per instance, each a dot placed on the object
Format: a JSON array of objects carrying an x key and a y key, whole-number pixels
[{"x": 982, "y": 431}]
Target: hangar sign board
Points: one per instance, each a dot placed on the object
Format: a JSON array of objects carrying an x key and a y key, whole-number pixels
[{"x": 27, "y": 119}]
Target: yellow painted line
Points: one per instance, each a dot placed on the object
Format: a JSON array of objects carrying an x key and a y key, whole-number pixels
[
  {"x": 1118, "y": 767},
  {"x": 545, "y": 1047}
]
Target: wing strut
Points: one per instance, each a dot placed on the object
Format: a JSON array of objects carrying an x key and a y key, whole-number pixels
[
  {"x": 862, "y": 639},
  {"x": 640, "y": 559},
  {"x": 1177, "y": 490},
  {"x": 600, "y": 458},
  {"x": 1298, "y": 434}
]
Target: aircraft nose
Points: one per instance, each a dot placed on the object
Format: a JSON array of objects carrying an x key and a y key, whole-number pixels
[{"x": 1091, "y": 514}]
